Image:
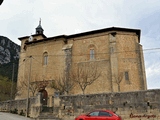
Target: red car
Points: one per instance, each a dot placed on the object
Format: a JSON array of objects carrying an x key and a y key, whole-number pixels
[{"x": 99, "y": 115}]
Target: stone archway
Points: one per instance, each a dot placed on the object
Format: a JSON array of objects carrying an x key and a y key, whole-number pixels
[{"x": 44, "y": 97}]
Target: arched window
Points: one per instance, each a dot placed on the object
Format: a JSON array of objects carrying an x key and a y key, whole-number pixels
[
  {"x": 45, "y": 58},
  {"x": 92, "y": 52}
]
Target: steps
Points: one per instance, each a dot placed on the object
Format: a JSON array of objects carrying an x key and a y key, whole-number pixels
[
  {"x": 47, "y": 116},
  {"x": 47, "y": 109}
]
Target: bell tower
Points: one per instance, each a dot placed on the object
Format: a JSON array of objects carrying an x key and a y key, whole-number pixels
[{"x": 39, "y": 29}]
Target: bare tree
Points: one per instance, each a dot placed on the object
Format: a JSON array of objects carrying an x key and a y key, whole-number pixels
[
  {"x": 42, "y": 84},
  {"x": 118, "y": 80},
  {"x": 64, "y": 83},
  {"x": 33, "y": 87},
  {"x": 85, "y": 74},
  {"x": 35, "y": 84}
]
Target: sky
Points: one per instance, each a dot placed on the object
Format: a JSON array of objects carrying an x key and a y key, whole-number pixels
[{"x": 58, "y": 17}]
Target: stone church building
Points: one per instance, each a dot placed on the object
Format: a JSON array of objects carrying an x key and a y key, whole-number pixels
[{"x": 116, "y": 51}]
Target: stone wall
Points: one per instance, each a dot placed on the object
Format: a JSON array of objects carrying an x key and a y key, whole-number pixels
[
  {"x": 19, "y": 106},
  {"x": 140, "y": 105}
]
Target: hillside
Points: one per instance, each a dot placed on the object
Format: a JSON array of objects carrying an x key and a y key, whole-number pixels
[{"x": 9, "y": 55}]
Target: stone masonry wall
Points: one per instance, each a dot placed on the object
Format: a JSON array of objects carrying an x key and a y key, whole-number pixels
[
  {"x": 140, "y": 105},
  {"x": 116, "y": 52},
  {"x": 19, "y": 106}
]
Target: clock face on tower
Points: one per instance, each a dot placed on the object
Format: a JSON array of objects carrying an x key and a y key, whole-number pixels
[{"x": 30, "y": 38}]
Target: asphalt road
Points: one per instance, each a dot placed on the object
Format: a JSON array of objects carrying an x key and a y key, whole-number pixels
[{"x": 9, "y": 116}]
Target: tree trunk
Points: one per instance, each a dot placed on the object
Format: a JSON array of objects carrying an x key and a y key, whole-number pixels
[{"x": 118, "y": 87}]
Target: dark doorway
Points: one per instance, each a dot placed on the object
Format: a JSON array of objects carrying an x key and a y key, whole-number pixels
[{"x": 44, "y": 97}]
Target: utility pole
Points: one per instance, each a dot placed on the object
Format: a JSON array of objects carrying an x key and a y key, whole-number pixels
[{"x": 29, "y": 77}]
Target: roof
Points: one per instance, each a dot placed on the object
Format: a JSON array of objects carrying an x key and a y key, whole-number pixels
[
  {"x": 39, "y": 27},
  {"x": 137, "y": 31},
  {"x": 47, "y": 39},
  {"x": 21, "y": 38}
]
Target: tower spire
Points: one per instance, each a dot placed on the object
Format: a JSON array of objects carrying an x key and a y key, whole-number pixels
[
  {"x": 39, "y": 29},
  {"x": 40, "y": 21}
]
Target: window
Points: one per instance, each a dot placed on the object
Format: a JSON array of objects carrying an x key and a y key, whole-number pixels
[
  {"x": 126, "y": 76},
  {"x": 94, "y": 113},
  {"x": 45, "y": 58},
  {"x": 102, "y": 113},
  {"x": 92, "y": 54}
]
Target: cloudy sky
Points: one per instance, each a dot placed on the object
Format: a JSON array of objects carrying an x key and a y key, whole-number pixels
[{"x": 21, "y": 17}]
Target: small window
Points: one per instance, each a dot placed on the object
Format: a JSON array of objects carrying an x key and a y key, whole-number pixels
[
  {"x": 92, "y": 54},
  {"x": 45, "y": 58},
  {"x": 126, "y": 76}
]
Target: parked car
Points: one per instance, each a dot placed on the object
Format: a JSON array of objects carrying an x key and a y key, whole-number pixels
[{"x": 99, "y": 115}]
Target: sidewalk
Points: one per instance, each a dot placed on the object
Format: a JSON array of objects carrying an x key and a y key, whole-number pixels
[{"x": 10, "y": 116}]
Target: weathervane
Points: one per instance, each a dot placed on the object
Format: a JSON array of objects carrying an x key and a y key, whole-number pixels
[{"x": 40, "y": 21}]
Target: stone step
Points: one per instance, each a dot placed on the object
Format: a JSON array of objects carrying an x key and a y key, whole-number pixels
[
  {"x": 48, "y": 119},
  {"x": 45, "y": 119},
  {"x": 47, "y": 109},
  {"x": 47, "y": 116}
]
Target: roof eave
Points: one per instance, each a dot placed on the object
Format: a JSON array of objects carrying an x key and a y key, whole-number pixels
[{"x": 25, "y": 37}]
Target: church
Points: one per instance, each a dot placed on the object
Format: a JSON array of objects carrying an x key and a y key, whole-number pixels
[{"x": 114, "y": 57}]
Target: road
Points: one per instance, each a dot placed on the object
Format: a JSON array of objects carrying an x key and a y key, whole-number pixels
[{"x": 9, "y": 116}]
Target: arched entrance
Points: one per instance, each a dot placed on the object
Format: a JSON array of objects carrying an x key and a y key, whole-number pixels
[{"x": 44, "y": 97}]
